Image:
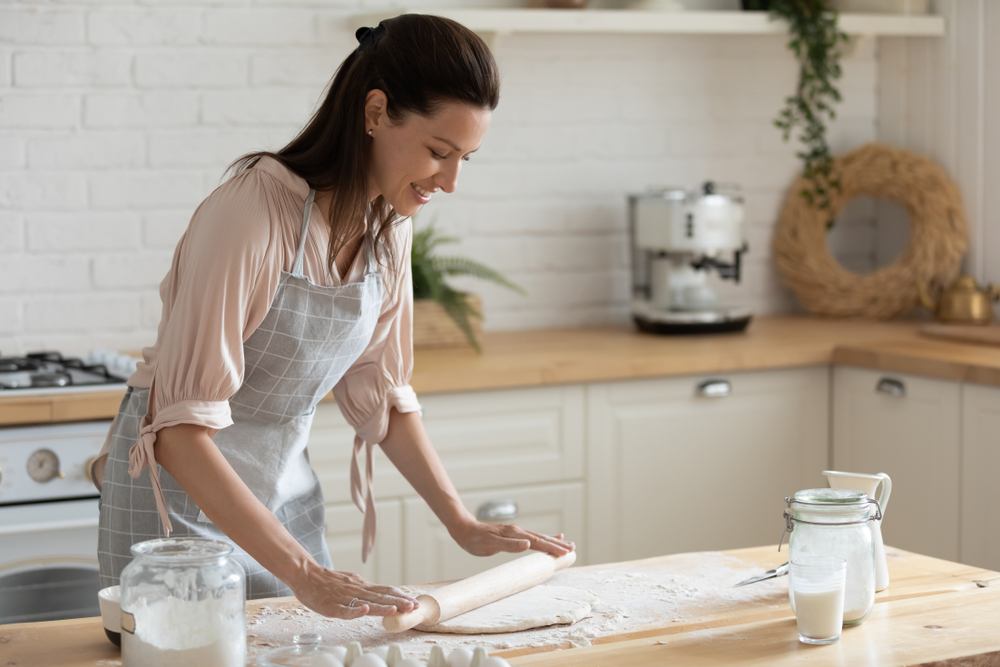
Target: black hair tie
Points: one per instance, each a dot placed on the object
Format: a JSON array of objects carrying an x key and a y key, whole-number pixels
[{"x": 366, "y": 35}]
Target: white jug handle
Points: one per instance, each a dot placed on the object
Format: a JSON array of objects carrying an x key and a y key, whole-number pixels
[{"x": 885, "y": 492}]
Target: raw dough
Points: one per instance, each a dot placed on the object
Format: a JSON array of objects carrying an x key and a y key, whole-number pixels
[{"x": 536, "y": 607}]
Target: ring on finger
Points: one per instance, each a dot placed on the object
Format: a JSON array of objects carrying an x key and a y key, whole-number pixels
[{"x": 354, "y": 603}]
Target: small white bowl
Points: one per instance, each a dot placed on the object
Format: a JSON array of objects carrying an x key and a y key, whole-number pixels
[{"x": 111, "y": 613}]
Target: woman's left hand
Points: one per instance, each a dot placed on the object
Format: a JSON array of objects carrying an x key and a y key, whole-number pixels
[{"x": 486, "y": 539}]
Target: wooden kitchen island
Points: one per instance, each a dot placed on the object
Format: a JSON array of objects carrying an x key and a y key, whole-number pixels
[{"x": 936, "y": 612}]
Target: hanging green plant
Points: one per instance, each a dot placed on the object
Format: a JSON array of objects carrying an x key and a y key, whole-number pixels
[
  {"x": 430, "y": 273},
  {"x": 818, "y": 45}
]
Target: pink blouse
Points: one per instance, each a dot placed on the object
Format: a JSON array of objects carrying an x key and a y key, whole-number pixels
[{"x": 221, "y": 282}]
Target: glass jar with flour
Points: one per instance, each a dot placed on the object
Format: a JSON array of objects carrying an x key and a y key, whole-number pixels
[
  {"x": 182, "y": 604},
  {"x": 834, "y": 523}
]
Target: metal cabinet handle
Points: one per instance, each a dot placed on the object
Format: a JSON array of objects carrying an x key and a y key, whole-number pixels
[
  {"x": 891, "y": 387},
  {"x": 714, "y": 389},
  {"x": 497, "y": 511}
]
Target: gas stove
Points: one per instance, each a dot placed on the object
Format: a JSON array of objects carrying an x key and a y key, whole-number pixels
[{"x": 51, "y": 372}]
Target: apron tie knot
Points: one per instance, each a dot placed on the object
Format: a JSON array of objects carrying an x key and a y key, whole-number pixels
[
  {"x": 141, "y": 455},
  {"x": 363, "y": 494}
]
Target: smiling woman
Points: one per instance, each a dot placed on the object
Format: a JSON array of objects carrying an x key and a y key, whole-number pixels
[
  {"x": 271, "y": 303},
  {"x": 403, "y": 109}
]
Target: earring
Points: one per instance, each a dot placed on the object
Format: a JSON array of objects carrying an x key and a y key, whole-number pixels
[{"x": 371, "y": 133}]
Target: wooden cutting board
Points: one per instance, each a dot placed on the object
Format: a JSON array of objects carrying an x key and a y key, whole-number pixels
[{"x": 967, "y": 333}]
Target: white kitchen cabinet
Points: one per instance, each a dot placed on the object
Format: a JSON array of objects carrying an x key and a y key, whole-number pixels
[
  {"x": 980, "y": 538},
  {"x": 908, "y": 427},
  {"x": 486, "y": 439},
  {"x": 343, "y": 536},
  {"x": 432, "y": 555},
  {"x": 695, "y": 463}
]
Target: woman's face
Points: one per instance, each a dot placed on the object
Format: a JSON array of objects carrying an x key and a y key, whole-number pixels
[{"x": 420, "y": 155}]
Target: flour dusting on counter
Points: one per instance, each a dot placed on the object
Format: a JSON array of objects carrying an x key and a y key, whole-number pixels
[{"x": 691, "y": 586}]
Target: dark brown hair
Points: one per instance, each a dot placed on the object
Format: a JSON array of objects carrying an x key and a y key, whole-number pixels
[{"x": 419, "y": 62}]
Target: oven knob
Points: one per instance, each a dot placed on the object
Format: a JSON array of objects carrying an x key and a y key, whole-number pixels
[{"x": 43, "y": 466}]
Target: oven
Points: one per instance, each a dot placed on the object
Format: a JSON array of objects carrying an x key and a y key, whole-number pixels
[
  {"x": 48, "y": 506},
  {"x": 48, "y": 521}
]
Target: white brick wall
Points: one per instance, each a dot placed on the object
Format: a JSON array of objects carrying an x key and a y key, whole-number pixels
[{"x": 118, "y": 116}]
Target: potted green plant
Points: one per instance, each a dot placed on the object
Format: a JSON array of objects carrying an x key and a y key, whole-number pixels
[
  {"x": 817, "y": 42},
  {"x": 438, "y": 307}
]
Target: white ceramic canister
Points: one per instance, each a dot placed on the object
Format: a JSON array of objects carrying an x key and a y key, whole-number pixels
[
  {"x": 182, "y": 604},
  {"x": 879, "y": 487},
  {"x": 834, "y": 523}
]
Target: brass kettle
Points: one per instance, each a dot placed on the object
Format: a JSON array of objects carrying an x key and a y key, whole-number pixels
[{"x": 963, "y": 302}]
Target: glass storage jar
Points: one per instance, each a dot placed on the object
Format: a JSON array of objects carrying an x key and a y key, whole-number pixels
[
  {"x": 834, "y": 523},
  {"x": 182, "y": 604}
]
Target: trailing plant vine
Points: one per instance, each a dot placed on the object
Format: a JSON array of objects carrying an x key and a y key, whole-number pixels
[{"x": 818, "y": 44}]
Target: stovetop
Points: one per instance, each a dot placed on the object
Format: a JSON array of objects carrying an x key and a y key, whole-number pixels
[{"x": 42, "y": 372}]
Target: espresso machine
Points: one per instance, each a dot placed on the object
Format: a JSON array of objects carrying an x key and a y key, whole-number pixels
[{"x": 677, "y": 237}]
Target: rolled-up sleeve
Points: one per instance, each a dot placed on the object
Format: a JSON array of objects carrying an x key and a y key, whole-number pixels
[
  {"x": 379, "y": 380},
  {"x": 219, "y": 289}
]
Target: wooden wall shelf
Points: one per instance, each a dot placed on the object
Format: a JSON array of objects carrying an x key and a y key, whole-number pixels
[{"x": 624, "y": 21}]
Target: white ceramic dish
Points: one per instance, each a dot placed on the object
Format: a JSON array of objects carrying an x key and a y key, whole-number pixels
[{"x": 111, "y": 613}]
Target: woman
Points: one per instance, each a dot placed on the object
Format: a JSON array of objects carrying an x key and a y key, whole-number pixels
[{"x": 293, "y": 279}]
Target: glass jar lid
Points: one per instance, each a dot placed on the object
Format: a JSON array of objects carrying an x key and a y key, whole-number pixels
[
  {"x": 833, "y": 506},
  {"x": 829, "y": 497},
  {"x": 307, "y": 650},
  {"x": 184, "y": 550}
]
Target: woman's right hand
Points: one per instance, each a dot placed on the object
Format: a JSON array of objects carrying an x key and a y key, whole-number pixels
[{"x": 346, "y": 595}]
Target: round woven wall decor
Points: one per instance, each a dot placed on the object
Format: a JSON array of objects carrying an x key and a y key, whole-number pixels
[{"x": 938, "y": 236}]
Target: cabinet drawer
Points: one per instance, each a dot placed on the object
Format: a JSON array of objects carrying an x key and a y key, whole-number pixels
[
  {"x": 980, "y": 463},
  {"x": 343, "y": 536},
  {"x": 431, "y": 554},
  {"x": 697, "y": 463},
  {"x": 486, "y": 439},
  {"x": 908, "y": 427}
]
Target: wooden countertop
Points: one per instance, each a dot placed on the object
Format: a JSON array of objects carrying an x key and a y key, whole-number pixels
[
  {"x": 933, "y": 611},
  {"x": 564, "y": 356}
]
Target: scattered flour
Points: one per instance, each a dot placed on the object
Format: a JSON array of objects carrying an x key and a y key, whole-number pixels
[{"x": 690, "y": 586}]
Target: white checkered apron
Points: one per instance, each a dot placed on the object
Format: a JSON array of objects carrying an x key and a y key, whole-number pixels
[{"x": 310, "y": 337}]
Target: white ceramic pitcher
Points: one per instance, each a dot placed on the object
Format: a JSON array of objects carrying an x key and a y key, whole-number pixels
[{"x": 869, "y": 484}]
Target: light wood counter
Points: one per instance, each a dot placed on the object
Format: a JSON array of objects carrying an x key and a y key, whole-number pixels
[
  {"x": 979, "y": 364},
  {"x": 934, "y": 610},
  {"x": 565, "y": 356}
]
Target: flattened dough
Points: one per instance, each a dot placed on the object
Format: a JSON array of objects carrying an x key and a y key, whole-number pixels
[{"x": 536, "y": 607}]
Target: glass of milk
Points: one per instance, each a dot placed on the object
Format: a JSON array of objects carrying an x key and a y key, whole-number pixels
[{"x": 816, "y": 588}]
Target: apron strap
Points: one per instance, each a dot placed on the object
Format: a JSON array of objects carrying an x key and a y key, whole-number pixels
[
  {"x": 371, "y": 260},
  {"x": 303, "y": 232},
  {"x": 371, "y": 265},
  {"x": 363, "y": 495},
  {"x": 141, "y": 455}
]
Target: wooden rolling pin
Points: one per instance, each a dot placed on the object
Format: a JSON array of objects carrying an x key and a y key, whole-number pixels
[{"x": 478, "y": 590}]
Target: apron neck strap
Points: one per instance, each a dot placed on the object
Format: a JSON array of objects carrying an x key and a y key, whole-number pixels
[
  {"x": 303, "y": 232},
  {"x": 371, "y": 262}
]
